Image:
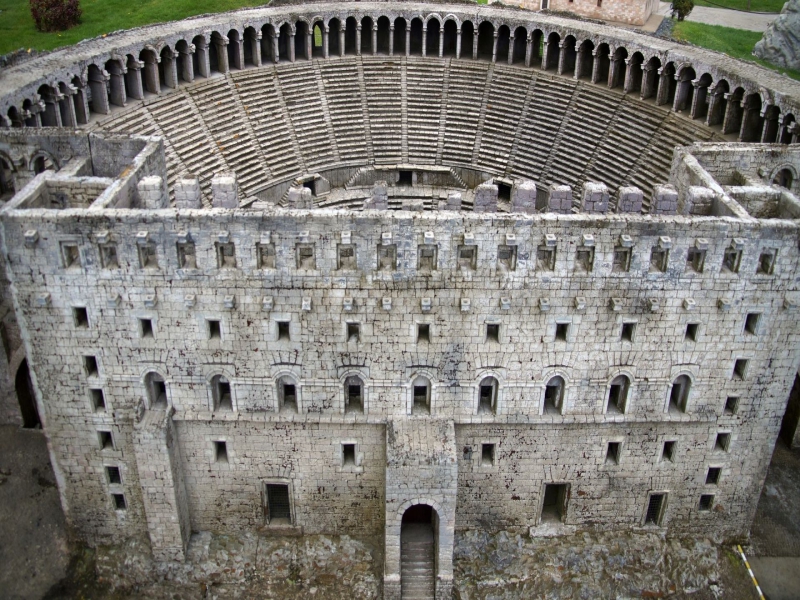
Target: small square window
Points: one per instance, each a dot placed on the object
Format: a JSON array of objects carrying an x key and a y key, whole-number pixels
[
  {"x": 427, "y": 257},
  {"x": 405, "y": 178},
  {"x": 492, "y": 332},
  {"x": 266, "y": 256},
  {"x": 423, "y": 332},
  {"x": 487, "y": 455},
  {"x": 80, "y": 316},
  {"x": 146, "y": 328},
  {"x": 346, "y": 256},
  {"x": 147, "y": 256},
  {"x": 622, "y": 260},
  {"x": 467, "y": 257},
  {"x": 108, "y": 256},
  {"x": 723, "y": 442},
  {"x": 503, "y": 191},
  {"x": 305, "y": 257},
  {"x": 387, "y": 257},
  {"x": 106, "y": 440},
  {"x": 113, "y": 475},
  {"x": 187, "y": 258},
  {"x": 353, "y": 332},
  {"x": 584, "y": 260},
  {"x": 98, "y": 400},
  {"x": 226, "y": 255},
  {"x": 119, "y": 501},
  {"x": 507, "y": 257},
  {"x": 628, "y": 331},
  {"x": 668, "y": 451},
  {"x": 562, "y": 330},
  {"x": 706, "y": 502},
  {"x": 731, "y": 260},
  {"x": 691, "y": 332},
  {"x": 612, "y": 453},
  {"x": 546, "y": 258},
  {"x": 599, "y": 3},
  {"x": 713, "y": 475},
  {"x": 90, "y": 366},
  {"x": 766, "y": 262},
  {"x": 751, "y": 323},
  {"x": 655, "y": 509},
  {"x": 740, "y": 368},
  {"x": 659, "y": 258},
  {"x": 695, "y": 260},
  {"x": 70, "y": 255},
  {"x": 221, "y": 452},
  {"x": 283, "y": 331},
  {"x": 348, "y": 455},
  {"x": 214, "y": 329},
  {"x": 731, "y": 405}
]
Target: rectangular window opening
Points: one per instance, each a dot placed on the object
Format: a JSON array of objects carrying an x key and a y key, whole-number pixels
[
  {"x": 147, "y": 256},
  {"x": 655, "y": 510},
  {"x": 503, "y": 191},
  {"x": 186, "y": 256},
  {"x": 554, "y": 504},
  {"x": 421, "y": 405},
  {"x": 584, "y": 260},
  {"x": 722, "y": 443},
  {"x": 427, "y": 257},
  {"x": 214, "y": 330},
  {"x": 108, "y": 256},
  {"x": 507, "y": 257},
  {"x": 224, "y": 400},
  {"x": 713, "y": 475},
  {"x": 405, "y": 178},
  {"x": 98, "y": 400},
  {"x": 740, "y": 368},
  {"x": 668, "y": 452},
  {"x": 347, "y": 256},
  {"x": 545, "y": 258},
  {"x": 423, "y": 332},
  {"x": 387, "y": 257},
  {"x": 562, "y": 330},
  {"x": 119, "y": 501},
  {"x": 353, "y": 332},
  {"x": 305, "y": 257},
  {"x": 70, "y": 255},
  {"x": 695, "y": 260},
  {"x": 266, "y": 256},
  {"x": 622, "y": 260},
  {"x": 221, "y": 452},
  {"x": 113, "y": 475},
  {"x": 658, "y": 259},
  {"x": 731, "y": 260},
  {"x": 706, "y": 502},
  {"x": 80, "y": 316},
  {"x": 487, "y": 455},
  {"x": 90, "y": 366},
  {"x": 106, "y": 440},
  {"x": 691, "y": 332},
  {"x": 751, "y": 323},
  {"x": 278, "y": 509},
  {"x": 467, "y": 257},
  {"x": 731, "y": 405},
  {"x": 283, "y": 331},
  {"x": 486, "y": 402},
  {"x": 290, "y": 396},
  {"x": 493, "y": 332},
  {"x": 354, "y": 400},
  {"x": 766, "y": 262},
  {"x": 628, "y": 330},
  {"x": 146, "y": 328},
  {"x": 612, "y": 453},
  {"x": 348, "y": 455},
  {"x": 226, "y": 255},
  {"x": 615, "y": 403}
]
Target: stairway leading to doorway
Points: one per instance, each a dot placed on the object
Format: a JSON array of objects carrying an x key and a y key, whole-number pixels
[{"x": 417, "y": 567}]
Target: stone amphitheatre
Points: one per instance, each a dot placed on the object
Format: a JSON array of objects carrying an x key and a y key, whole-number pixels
[{"x": 401, "y": 271}]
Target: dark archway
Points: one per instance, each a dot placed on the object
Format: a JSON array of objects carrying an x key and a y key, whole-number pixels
[
  {"x": 27, "y": 403},
  {"x": 418, "y": 547}
]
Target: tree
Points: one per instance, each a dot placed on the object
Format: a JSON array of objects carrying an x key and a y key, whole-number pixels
[
  {"x": 55, "y": 15},
  {"x": 682, "y": 8}
]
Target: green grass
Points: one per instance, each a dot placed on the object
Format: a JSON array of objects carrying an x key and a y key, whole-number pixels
[
  {"x": 737, "y": 43},
  {"x": 773, "y": 6},
  {"x": 101, "y": 16}
]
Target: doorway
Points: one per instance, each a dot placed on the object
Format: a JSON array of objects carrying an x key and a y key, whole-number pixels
[
  {"x": 418, "y": 544},
  {"x": 27, "y": 403}
]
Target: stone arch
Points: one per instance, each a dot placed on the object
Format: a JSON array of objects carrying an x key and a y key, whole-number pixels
[
  {"x": 200, "y": 57},
  {"x": 634, "y": 72},
  {"x": 15, "y": 118},
  {"x": 303, "y": 42},
  {"x": 718, "y": 103},
  {"x": 285, "y": 42},
  {"x": 552, "y": 53},
  {"x": 679, "y": 392},
  {"x": 502, "y": 44},
  {"x": 420, "y": 393},
  {"x": 468, "y": 40},
  {"x": 350, "y": 36},
  {"x": 684, "y": 90},
  {"x": 487, "y": 399},
  {"x": 585, "y": 60},
  {"x": 150, "y": 78},
  {"x": 735, "y": 110},
  {"x": 7, "y": 174},
  {"x": 616, "y": 75},
  {"x": 752, "y": 119},
  {"x": 354, "y": 386},
  {"x": 617, "y": 396},
  {"x": 335, "y": 37},
  {"x": 251, "y": 47},
  {"x": 221, "y": 388},
  {"x": 788, "y": 123},
  {"x": 287, "y": 392},
  {"x": 384, "y": 35},
  {"x": 450, "y": 38},
  {"x": 115, "y": 67},
  {"x": 554, "y": 394},
  {"x": 41, "y": 161},
  {"x": 155, "y": 390},
  {"x": 569, "y": 55},
  {"x": 771, "y": 124},
  {"x": 416, "y": 39},
  {"x": 667, "y": 85},
  {"x": 485, "y": 40},
  {"x": 519, "y": 48},
  {"x": 51, "y": 116},
  {"x": 783, "y": 175},
  {"x": 400, "y": 29},
  {"x": 167, "y": 73},
  {"x": 432, "y": 32}
]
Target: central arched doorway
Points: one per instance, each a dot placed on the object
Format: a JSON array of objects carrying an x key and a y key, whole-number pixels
[{"x": 418, "y": 547}]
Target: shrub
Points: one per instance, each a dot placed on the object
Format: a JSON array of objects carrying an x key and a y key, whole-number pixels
[
  {"x": 55, "y": 15},
  {"x": 682, "y": 8}
]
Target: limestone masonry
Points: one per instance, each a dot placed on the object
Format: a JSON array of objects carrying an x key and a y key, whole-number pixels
[{"x": 395, "y": 271}]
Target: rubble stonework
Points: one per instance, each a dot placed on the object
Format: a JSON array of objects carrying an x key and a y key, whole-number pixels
[{"x": 351, "y": 305}]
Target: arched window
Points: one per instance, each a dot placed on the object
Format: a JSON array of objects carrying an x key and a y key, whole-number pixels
[
  {"x": 317, "y": 40},
  {"x": 200, "y": 58},
  {"x": 421, "y": 396},
  {"x": 334, "y": 28},
  {"x": 221, "y": 391},
  {"x": 618, "y": 395},
  {"x": 366, "y": 36},
  {"x": 679, "y": 394},
  {"x": 783, "y": 178},
  {"x": 6, "y": 179},
  {"x": 485, "y": 40},
  {"x": 416, "y": 36},
  {"x": 234, "y": 58},
  {"x": 553, "y": 52},
  {"x": 39, "y": 165},
  {"x": 166, "y": 68},
  {"x": 467, "y": 39},
  {"x": 156, "y": 390},
  {"x": 487, "y": 396},
  {"x": 353, "y": 394},
  {"x": 400, "y": 36},
  {"x": 287, "y": 394},
  {"x": 301, "y": 39},
  {"x": 432, "y": 37},
  {"x": 554, "y": 396}
]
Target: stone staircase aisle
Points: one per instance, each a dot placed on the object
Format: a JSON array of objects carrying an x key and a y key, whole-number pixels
[{"x": 417, "y": 562}]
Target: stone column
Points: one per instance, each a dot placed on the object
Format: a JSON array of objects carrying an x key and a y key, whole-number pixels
[
  {"x": 545, "y": 52},
  {"x": 511, "y": 49},
  {"x": 188, "y": 63},
  {"x": 255, "y": 48},
  {"x": 595, "y": 66},
  {"x": 221, "y": 48},
  {"x": 628, "y": 81},
  {"x": 276, "y": 49},
  {"x": 117, "y": 84},
  {"x": 291, "y": 46},
  {"x": 729, "y": 111},
  {"x": 613, "y": 67},
  {"x": 325, "y": 37},
  {"x": 578, "y": 64},
  {"x": 696, "y": 100},
  {"x": 52, "y": 111},
  {"x": 341, "y": 40},
  {"x": 647, "y": 82},
  {"x": 494, "y": 48},
  {"x": 358, "y": 39},
  {"x": 240, "y": 53},
  {"x": 69, "y": 93},
  {"x": 680, "y": 93},
  {"x": 99, "y": 92},
  {"x": 663, "y": 87},
  {"x": 712, "y": 102},
  {"x": 441, "y": 42},
  {"x": 458, "y": 43},
  {"x": 310, "y": 44},
  {"x": 82, "y": 106},
  {"x": 475, "y": 45},
  {"x": 391, "y": 39},
  {"x": 425, "y": 40},
  {"x": 408, "y": 39},
  {"x": 374, "y": 39},
  {"x": 203, "y": 63},
  {"x": 172, "y": 77},
  {"x": 528, "y": 50}
]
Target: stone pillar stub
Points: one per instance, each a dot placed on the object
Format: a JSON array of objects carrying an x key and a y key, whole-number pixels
[
  {"x": 559, "y": 199},
  {"x": 299, "y": 197},
  {"x": 379, "y": 197},
  {"x": 697, "y": 200},
  {"x": 523, "y": 197},
  {"x": 665, "y": 200},
  {"x": 225, "y": 191},
  {"x": 453, "y": 201},
  {"x": 595, "y": 197},
  {"x": 486, "y": 198},
  {"x": 188, "y": 193},
  {"x": 152, "y": 192},
  {"x": 629, "y": 200}
]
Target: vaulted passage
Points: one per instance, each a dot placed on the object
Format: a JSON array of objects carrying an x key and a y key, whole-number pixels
[
  {"x": 27, "y": 403},
  {"x": 417, "y": 553}
]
